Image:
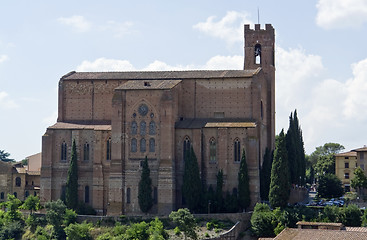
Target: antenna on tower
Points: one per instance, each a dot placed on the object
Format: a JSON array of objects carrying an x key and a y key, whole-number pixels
[{"x": 258, "y": 15}]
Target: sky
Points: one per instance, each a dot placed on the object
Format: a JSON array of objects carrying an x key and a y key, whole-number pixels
[{"x": 321, "y": 57}]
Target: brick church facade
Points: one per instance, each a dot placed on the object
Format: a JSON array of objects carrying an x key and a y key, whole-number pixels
[{"x": 119, "y": 118}]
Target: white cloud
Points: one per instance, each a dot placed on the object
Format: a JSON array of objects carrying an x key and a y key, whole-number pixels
[
  {"x": 229, "y": 28},
  {"x": 5, "y": 102},
  {"x": 341, "y": 13},
  {"x": 356, "y": 101},
  {"x": 104, "y": 64},
  {"x": 3, "y": 58},
  {"x": 79, "y": 23}
]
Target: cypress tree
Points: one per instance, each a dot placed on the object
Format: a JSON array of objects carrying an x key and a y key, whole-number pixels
[
  {"x": 300, "y": 150},
  {"x": 145, "y": 188},
  {"x": 265, "y": 174},
  {"x": 191, "y": 188},
  {"x": 243, "y": 184},
  {"x": 279, "y": 185},
  {"x": 291, "y": 151},
  {"x": 71, "y": 191},
  {"x": 219, "y": 191}
]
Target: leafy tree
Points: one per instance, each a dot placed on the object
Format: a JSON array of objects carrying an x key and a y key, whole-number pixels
[
  {"x": 32, "y": 203},
  {"x": 80, "y": 231},
  {"x": 71, "y": 192},
  {"x": 243, "y": 184},
  {"x": 69, "y": 217},
  {"x": 12, "y": 230},
  {"x": 12, "y": 205},
  {"x": 279, "y": 185},
  {"x": 352, "y": 215},
  {"x": 364, "y": 219},
  {"x": 360, "y": 180},
  {"x": 219, "y": 191},
  {"x": 330, "y": 186},
  {"x": 55, "y": 211},
  {"x": 145, "y": 188},
  {"x": 4, "y": 156},
  {"x": 265, "y": 174},
  {"x": 323, "y": 158},
  {"x": 263, "y": 221},
  {"x": 191, "y": 188},
  {"x": 156, "y": 230},
  {"x": 185, "y": 221}
]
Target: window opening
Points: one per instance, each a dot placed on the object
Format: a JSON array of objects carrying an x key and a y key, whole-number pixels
[
  {"x": 143, "y": 145},
  {"x": 108, "y": 152},
  {"x": 128, "y": 195},
  {"x": 143, "y": 127},
  {"x": 186, "y": 147},
  {"x": 152, "y": 128},
  {"x": 152, "y": 145},
  {"x": 18, "y": 181},
  {"x": 134, "y": 128},
  {"x": 237, "y": 150},
  {"x": 212, "y": 150},
  {"x": 133, "y": 145},
  {"x": 63, "y": 151},
  {"x": 257, "y": 54},
  {"x": 86, "y": 152}
]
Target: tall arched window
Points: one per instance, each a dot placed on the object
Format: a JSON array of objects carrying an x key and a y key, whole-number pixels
[
  {"x": 134, "y": 144},
  {"x": 64, "y": 151},
  {"x": 134, "y": 128},
  {"x": 143, "y": 128},
  {"x": 26, "y": 194},
  {"x": 18, "y": 181},
  {"x": 152, "y": 128},
  {"x": 15, "y": 194},
  {"x": 143, "y": 145},
  {"x": 2, "y": 195},
  {"x": 86, "y": 194},
  {"x": 86, "y": 152},
  {"x": 237, "y": 150},
  {"x": 109, "y": 146},
  {"x": 257, "y": 54},
  {"x": 212, "y": 150},
  {"x": 186, "y": 147},
  {"x": 128, "y": 195},
  {"x": 151, "y": 145}
]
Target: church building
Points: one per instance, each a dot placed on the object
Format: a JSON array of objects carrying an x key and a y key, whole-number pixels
[{"x": 119, "y": 118}]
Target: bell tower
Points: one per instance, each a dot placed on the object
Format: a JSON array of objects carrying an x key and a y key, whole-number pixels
[
  {"x": 259, "y": 53},
  {"x": 259, "y": 47}
]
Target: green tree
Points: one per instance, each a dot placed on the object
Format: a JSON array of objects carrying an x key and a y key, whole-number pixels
[
  {"x": 55, "y": 211},
  {"x": 219, "y": 190},
  {"x": 296, "y": 152},
  {"x": 4, "y": 156},
  {"x": 360, "y": 180},
  {"x": 279, "y": 185},
  {"x": 265, "y": 174},
  {"x": 71, "y": 192},
  {"x": 32, "y": 203},
  {"x": 243, "y": 184},
  {"x": 263, "y": 221},
  {"x": 145, "y": 188},
  {"x": 80, "y": 231},
  {"x": 330, "y": 186},
  {"x": 191, "y": 188},
  {"x": 185, "y": 221},
  {"x": 12, "y": 205},
  {"x": 323, "y": 158},
  {"x": 352, "y": 215}
]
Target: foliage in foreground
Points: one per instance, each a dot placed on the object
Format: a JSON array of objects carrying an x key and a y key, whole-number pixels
[
  {"x": 185, "y": 221},
  {"x": 268, "y": 223}
]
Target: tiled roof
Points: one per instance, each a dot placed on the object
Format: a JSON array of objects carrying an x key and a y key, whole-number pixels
[
  {"x": 195, "y": 123},
  {"x": 363, "y": 149},
  {"x": 149, "y": 84},
  {"x": 70, "y": 126},
  {"x": 146, "y": 75},
  {"x": 356, "y": 229},
  {"x": 317, "y": 234},
  {"x": 347, "y": 154},
  {"x": 319, "y": 224}
]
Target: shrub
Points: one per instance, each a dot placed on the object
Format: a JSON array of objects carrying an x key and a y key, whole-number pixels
[
  {"x": 177, "y": 231},
  {"x": 80, "y": 231},
  {"x": 352, "y": 216},
  {"x": 69, "y": 217},
  {"x": 263, "y": 221},
  {"x": 12, "y": 230}
]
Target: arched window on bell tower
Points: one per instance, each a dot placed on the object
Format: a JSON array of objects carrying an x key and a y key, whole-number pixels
[{"x": 257, "y": 54}]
